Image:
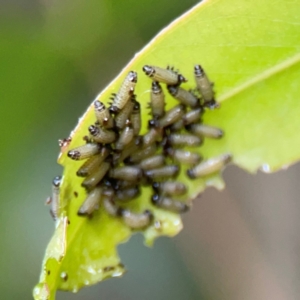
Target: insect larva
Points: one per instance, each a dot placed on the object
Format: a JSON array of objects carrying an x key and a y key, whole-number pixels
[
  {"x": 192, "y": 116},
  {"x": 152, "y": 162},
  {"x": 102, "y": 135},
  {"x": 153, "y": 135},
  {"x": 177, "y": 139},
  {"x": 209, "y": 166},
  {"x": 132, "y": 147},
  {"x": 94, "y": 178},
  {"x": 124, "y": 184},
  {"x": 110, "y": 207},
  {"x": 125, "y": 138},
  {"x": 93, "y": 163},
  {"x": 205, "y": 130},
  {"x": 91, "y": 203},
  {"x": 64, "y": 143},
  {"x": 108, "y": 192},
  {"x": 122, "y": 117},
  {"x": 173, "y": 188},
  {"x": 183, "y": 156},
  {"x": 169, "y": 204},
  {"x": 55, "y": 198},
  {"x": 125, "y": 92},
  {"x": 171, "y": 116},
  {"x": 135, "y": 118},
  {"x": 204, "y": 86},
  {"x": 168, "y": 76},
  {"x": 84, "y": 151},
  {"x": 157, "y": 102},
  {"x": 102, "y": 115},
  {"x": 177, "y": 126},
  {"x": 168, "y": 171},
  {"x": 183, "y": 96},
  {"x": 136, "y": 220},
  {"x": 126, "y": 173},
  {"x": 127, "y": 194},
  {"x": 142, "y": 154}
]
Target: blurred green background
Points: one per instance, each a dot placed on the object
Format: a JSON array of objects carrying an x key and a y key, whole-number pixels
[{"x": 55, "y": 57}]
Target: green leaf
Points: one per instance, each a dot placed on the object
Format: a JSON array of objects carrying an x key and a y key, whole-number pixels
[{"x": 251, "y": 51}]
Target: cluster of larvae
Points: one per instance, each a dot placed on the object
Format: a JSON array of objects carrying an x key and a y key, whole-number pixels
[{"x": 119, "y": 161}]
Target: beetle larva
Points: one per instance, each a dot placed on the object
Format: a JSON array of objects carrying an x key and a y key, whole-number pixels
[
  {"x": 206, "y": 131},
  {"x": 183, "y": 96},
  {"x": 168, "y": 76},
  {"x": 209, "y": 166},
  {"x": 142, "y": 154},
  {"x": 122, "y": 117},
  {"x": 124, "y": 184},
  {"x": 93, "y": 163},
  {"x": 102, "y": 135},
  {"x": 152, "y": 136},
  {"x": 152, "y": 162},
  {"x": 136, "y": 220},
  {"x": 183, "y": 156},
  {"x": 157, "y": 102},
  {"x": 168, "y": 171},
  {"x": 91, "y": 203},
  {"x": 192, "y": 116},
  {"x": 177, "y": 126},
  {"x": 173, "y": 188},
  {"x": 110, "y": 207},
  {"x": 204, "y": 86},
  {"x": 94, "y": 178},
  {"x": 171, "y": 116},
  {"x": 55, "y": 198},
  {"x": 169, "y": 204},
  {"x": 177, "y": 139},
  {"x": 125, "y": 138},
  {"x": 135, "y": 118},
  {"x": 102, "y": 115},
  {"x": 132, "y": 147},
  {"x": 126, "y": 173},
  {"x": 127, "y": 194},
  {"x": 125, "y": 92},
  {"x": 84, "y": 151}
]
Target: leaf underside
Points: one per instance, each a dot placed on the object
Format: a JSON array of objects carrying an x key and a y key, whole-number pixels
[{"x": 251, "y": 51}]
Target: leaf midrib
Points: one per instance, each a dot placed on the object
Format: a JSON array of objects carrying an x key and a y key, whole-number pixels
[{"x": 268, "y": 73}]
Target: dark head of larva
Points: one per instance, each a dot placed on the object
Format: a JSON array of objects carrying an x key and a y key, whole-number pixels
[
  {"x": 136, "y": 108},
  {"x": 155, "y": 186},
  {"x": 172, "y": 89},
  {"x": 149, "y": 214},
  {"x": 56, "y": 181},
  {"x": 113, "y": 109},
  {"x": 198, "y": 70},
  {"x": 181, "y": 78},
  {"x": 155, "y": 199},
  {"x": 153, "y": 123},
  {"x": 156, "y": 88},
  {"x": 99, "y": 106},
  {"x": 132, "y": 76},
  {"x": 74, "y": 154},
  {"x": 93, "y": 130},
  {"x": 148, "y": 70}
]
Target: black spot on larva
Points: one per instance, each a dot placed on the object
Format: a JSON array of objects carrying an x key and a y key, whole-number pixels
[{"x": 76, "y": 194}]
